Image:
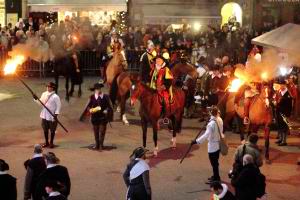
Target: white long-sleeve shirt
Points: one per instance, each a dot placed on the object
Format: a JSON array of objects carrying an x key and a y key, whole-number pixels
[
  {"x": 53, "y": 104},
  {"x": 212, "y": 134}
]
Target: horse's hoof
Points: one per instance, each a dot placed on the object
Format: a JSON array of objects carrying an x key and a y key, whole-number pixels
[
  {"x": 268, "y": 161},
  {"x": 126, "y": 123},
  {"x": 155, "y": 152},
  {"x": 79, "y": 94},
  {"x": 173, "y": 143}
]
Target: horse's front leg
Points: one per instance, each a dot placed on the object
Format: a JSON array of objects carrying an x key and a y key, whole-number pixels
[
  {"x": 174, "y": 131},
  {"x": 267, "y": 143},
  {"x": 144, "y": 129},
  {"x": 123, "y": 106},
  {"x": 67, "y": 89},
  {"x": 155, "y": 129},
  {"x": 56, "y": 77},
  {"x": 79, "y": 90}
]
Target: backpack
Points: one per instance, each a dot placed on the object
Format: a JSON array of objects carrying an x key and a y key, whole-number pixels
[{"x": 260, "y": 185}]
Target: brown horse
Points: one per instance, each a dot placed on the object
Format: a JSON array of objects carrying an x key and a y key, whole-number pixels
[
  {"x": 150, "y": 111},
  {"x": 120, "y": 87},
  {"x": 115, "y": 66},
  {"x": 260, "y": 113}
]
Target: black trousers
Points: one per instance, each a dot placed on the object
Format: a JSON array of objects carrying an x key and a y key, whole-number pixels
[
  {"x": 137, "y": 192},
  {"x": 99, "y": 134},
  {"x": 49, "y": 125},
  {"x": 214, "y": 161}
]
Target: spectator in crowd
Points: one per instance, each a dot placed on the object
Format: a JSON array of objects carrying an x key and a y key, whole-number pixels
[
  {"x": 35, "y": 167},
  {"x": 213, "y": 131},
  {"x": 8, "y": 183},
  {"x": 221, "y": 191},
  {"x": 137, "y": 177},
  {"x": 56, "y": 173},
  {"x": 245, "y": 183}
]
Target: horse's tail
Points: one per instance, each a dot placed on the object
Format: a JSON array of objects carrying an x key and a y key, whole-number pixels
[{"x": 114, "y": 90}]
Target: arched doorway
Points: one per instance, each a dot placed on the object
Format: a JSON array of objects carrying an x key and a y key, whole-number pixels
[{"x": 231, "y": 9}]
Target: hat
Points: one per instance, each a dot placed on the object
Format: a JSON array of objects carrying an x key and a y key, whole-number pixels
[
  {"x": 98, "y": 85},
  {"x": 52, "y": 85},
  {"x": 281, "y": 81},
  {"x": 164, "y": 54},
  {"x": 51, "y": 158},
  {"x": 38, "y": 148},
  {"x": 138, "y": 152},
  {"x": 3, "y": 166}
]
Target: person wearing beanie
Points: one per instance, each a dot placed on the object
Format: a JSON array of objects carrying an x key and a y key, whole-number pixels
[
  {"x": 8, "y": 183},
  {"x": 54, "y": 172},
  {"x": 35, "y": 167},
  {"x": 136, "y": 176}
]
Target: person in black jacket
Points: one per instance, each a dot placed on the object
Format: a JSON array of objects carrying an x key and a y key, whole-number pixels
[
  {"x": 221, "y": 191},
  {"x": 101, "y": 111},
  {"x": 136, "y": 176},
  {"x": 8, "y": 183},
  {"x": 55, "y": 173},
  {"x": 245, "y": 183},
  {"x": 52, "y": 188},
  {"x": 283, "y": 111},
  {"x": 35, "y": 167},
  {"x": 147, "y": 62}
]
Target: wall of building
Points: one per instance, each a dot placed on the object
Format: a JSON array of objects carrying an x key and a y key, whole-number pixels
[{"x": 172, "y": 11}]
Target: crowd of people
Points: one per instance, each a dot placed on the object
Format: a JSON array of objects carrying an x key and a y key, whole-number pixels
[{"x": 214, "y": 50}]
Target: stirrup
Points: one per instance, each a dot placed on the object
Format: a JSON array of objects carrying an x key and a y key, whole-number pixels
[
  {"x": 246, "y": 120},
  {"x": 166, "y": 121}
]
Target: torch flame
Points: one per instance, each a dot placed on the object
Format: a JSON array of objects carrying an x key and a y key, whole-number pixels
[
  {"x": 264, "y": 75},
  {"x": 235, "y": 85},
  {"x": 12, "y": 64}
]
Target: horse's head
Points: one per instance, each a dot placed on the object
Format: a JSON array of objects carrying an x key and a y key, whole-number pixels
[
  {"x": 182, "y": 69},
  {"x": 136, "y": 91},
  {"x": 120, "y": 59},
  {"x": 266, "y": 94}
]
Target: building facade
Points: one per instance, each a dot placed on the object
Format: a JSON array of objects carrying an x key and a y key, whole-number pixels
[{"x": 189, "y": 11}]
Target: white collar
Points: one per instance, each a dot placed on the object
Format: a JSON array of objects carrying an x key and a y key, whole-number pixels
[
  {"x": 37, "y": 155},
  {"x": 101, "y": 96},
  {"x": 224, "y": 191},
  {"x": 54, "y": 194},
  {"x": 51, "y": 165},
  {"x": 283, "y": 91},
  {"x": 3, "y": 172}
]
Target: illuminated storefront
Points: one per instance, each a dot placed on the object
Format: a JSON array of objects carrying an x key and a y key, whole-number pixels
[
  {"x": 2, "y": 12},
  {"x": 99, "y": 12}
]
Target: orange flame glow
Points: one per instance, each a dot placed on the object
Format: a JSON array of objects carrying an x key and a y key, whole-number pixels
[
  {"x": 12, "y": 64},
  {"x": 235, "y": 85},
  {"x": 264, "y": 76}
]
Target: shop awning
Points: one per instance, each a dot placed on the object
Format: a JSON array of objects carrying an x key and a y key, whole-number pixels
[
  {"x": 285, "y": 38},
  {"x": 78, "y": 5}
]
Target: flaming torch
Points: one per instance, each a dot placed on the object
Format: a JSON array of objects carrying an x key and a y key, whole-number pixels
[
  {"x": 10, "y": 68},
  {"x": 235, "y": 85}
]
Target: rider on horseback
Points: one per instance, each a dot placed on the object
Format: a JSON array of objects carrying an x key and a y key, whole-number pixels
[
  {"x": 162, "y": 81},
  {"x": 147, "y": 62}
]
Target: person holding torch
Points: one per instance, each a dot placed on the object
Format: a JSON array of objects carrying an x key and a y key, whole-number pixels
[{"x": 49, "y": 122}]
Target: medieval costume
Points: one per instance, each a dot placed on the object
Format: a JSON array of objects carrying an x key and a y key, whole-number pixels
[
  {"x": 147, "y": 63},
  {"x": 283, "y": 111},
  {"x": 136, "y": 176},
  {"x": 8, "y": 183},
  {"x": 101, "y": 111},
  {"x": 162, "y": 82},
  {"x": 213, "y": 88},
  {"x": 52, "y": 101}
]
